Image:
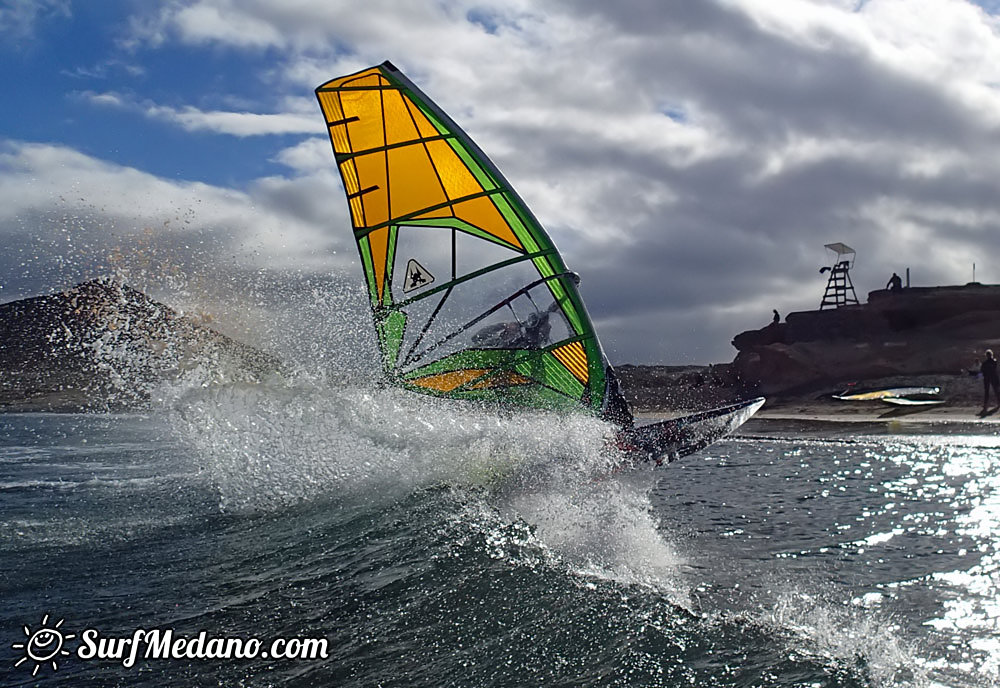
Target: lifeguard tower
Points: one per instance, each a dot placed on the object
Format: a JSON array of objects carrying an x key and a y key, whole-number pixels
[{"x": 839, "y": 288}]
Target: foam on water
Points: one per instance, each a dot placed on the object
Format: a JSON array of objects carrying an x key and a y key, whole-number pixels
[
  {"x": 603, "y": 527},
  {"x": 268, "y": 446},
  {"x": 846, "y": 637}
]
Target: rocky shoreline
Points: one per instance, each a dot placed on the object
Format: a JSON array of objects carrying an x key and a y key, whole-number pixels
[
  {"x": 104, "y": 346},
  {"x": 906, "y": 335},
  {"x": 928, "y": 337}
]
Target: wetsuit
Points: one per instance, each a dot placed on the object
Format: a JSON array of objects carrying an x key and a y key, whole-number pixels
[{"x": 990, "y": 379}]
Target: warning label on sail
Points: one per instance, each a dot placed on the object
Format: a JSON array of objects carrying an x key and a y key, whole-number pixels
[{"x": 416, "y": 276}]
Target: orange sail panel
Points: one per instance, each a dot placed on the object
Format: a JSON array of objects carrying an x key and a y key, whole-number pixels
[{"x": 446, "y": 382}]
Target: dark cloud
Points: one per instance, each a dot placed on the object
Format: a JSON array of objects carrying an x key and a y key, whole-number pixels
[{"x": 819, "y": 141}]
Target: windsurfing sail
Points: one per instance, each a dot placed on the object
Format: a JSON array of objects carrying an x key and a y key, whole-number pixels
[{"x": 470, "y": 298}]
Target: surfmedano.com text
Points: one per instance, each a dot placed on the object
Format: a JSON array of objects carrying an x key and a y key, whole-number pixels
[{"x": 158, "y": 643}]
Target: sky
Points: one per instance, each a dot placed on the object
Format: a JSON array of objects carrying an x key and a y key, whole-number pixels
[{"x": 690, "y": 158}]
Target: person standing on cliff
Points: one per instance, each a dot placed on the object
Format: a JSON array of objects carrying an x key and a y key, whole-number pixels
[{"x": 990, "y": 379}]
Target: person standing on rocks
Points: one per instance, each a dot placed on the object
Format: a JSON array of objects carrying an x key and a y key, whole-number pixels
[{"x": 990, "y": 379}]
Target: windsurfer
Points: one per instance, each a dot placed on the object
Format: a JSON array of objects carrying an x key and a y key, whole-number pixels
[
  {"x": 990, "y": 379},
  {"x": 533, "y": 333}
]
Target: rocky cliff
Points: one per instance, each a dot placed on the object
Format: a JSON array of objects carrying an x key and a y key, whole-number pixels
[
  {"x": 932, "y": 331},
  {"x": 105, "y": 346},
  {"x": 658, "y": 388}
]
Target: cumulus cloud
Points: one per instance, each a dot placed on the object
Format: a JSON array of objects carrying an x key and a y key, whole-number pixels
[
  {"x": 19, "y": 18},
  {"x": 190, "y": 118},
  {"x": 312, "y": 156},
  {"x": 234, "y": 123},
  {"x": 61, "y": 206}
]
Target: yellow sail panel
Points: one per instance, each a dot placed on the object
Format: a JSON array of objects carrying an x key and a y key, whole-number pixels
[
  {"x": 350, "y": 175},
  {"x": 357, "y": 210},
  {"x": 330, "y": 104},
  {"x": 424, "y": 125},
  {"x": 399, "y": 121},
  {"x": 574, "y": 357},
  {"x": 408, "y": 171},
  {"x": 362, "y": 111},
  {"x": 458, "y": 181},
  {"x": 372, "y": 175},
  {"x": 446, "y": 382},
  {"x": 482, "y": 213},
  {"x": 352, "y": 186},
  {"x": 413, "y": 185},
  {"x": 334, "y": 113}
]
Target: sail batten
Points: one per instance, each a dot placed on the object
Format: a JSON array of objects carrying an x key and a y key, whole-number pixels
[
  {"x": 432, "y": 215},
  {"x": 391, "y": 146}
]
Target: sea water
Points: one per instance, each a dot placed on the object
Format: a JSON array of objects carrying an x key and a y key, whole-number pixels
[{"x": 439, "y": 545}]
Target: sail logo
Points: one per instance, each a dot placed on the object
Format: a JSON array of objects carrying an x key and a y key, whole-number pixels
[{"x": 417, "y": 276}]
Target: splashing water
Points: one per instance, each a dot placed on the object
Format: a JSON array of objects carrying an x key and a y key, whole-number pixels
[{"x": 283, "y": 442}]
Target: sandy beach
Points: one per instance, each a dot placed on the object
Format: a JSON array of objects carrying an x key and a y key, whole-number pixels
[
  {"x": 816, "y": 411},
  {"x": 836, "y": 411},
  {"x": 833, "y": 418},
  {"x": 843, "y": 420}
]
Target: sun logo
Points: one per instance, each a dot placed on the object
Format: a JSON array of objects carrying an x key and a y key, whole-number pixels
[{"x": 43, "y": 646}]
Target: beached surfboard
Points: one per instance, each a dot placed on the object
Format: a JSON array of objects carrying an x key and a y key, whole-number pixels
[
  {"x": 906, "y": 401},
  {"x": 887, "y": 393}
]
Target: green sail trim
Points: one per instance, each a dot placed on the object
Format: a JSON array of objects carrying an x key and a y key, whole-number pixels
[
  {"x": 365, "y": 249},
  {"x": 390, "y": 331},
  {"x": 390, "y": 258},
  {"x": 503, "y": 359},
  {"x": 532, "y": 395}
]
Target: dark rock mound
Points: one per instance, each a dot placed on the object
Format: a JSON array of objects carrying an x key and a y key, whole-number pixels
[{"x": 105, "y": 346}]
